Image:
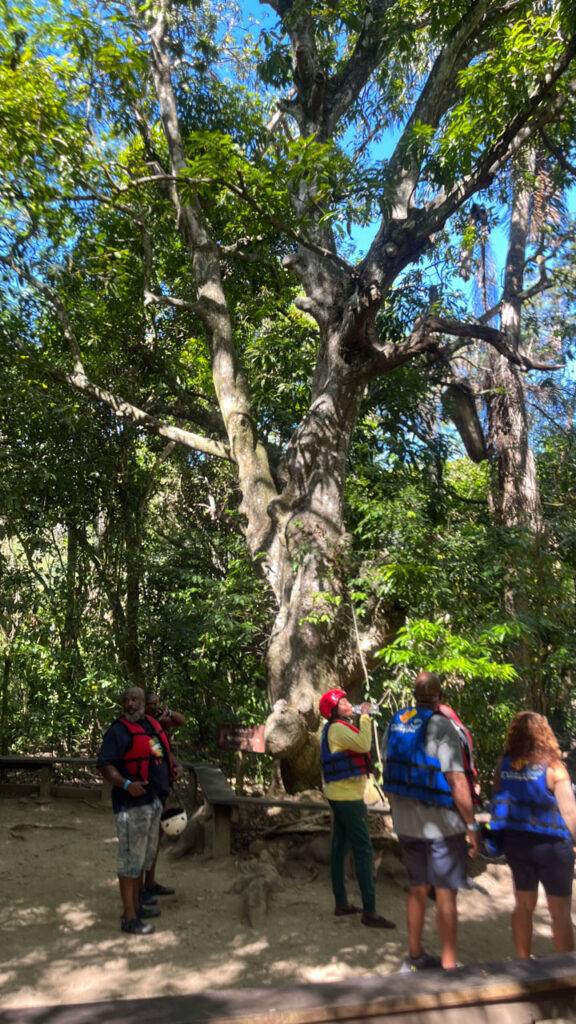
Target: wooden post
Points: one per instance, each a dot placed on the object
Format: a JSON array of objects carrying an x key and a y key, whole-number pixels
[
  {"x": 239, "y": 771},
  {"x": 221, "y": 831},
  {"x": 45, "y": 782}
]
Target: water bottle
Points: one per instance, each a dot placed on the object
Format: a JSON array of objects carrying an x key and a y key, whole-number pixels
[{"x": 372, "y": 710}]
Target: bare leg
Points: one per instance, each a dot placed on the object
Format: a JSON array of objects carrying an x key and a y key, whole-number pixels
[
  {"x": 522, "y": 921},
  {"x": 129, "y": 888},
  {"x": 415, "y": 914},
  {"x": 560, "y": 908},
  {"x": 447, "y": 924}
]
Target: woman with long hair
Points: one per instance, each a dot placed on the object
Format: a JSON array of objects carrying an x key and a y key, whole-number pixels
[{"x": 533, "y": 806}]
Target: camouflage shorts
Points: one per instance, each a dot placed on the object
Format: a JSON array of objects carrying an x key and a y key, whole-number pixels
[{"x": 138, "y": 830}]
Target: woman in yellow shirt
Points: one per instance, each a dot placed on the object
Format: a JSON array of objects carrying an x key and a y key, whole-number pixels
[{"x": 345, "y": 766}]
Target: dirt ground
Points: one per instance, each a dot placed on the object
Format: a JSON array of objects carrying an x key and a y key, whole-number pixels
[{"x": 60, "y": 915}]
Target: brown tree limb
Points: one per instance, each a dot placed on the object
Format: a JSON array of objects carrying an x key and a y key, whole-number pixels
[{"x": 424, "y": 338}]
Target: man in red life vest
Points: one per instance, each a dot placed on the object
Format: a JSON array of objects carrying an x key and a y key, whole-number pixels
[
  {"x": 345, "y": 767},
  {"x": 169, "y": 720},
  {"x": 135, "y": 759}
]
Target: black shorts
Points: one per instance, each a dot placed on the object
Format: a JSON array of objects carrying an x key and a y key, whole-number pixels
[{"x": 537, "y": 858}]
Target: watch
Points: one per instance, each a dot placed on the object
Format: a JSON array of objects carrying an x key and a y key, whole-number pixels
[{"x": 473, "y": 827}]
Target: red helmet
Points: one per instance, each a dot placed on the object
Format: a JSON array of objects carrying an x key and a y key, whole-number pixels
[{"x": 329, "y": 700}]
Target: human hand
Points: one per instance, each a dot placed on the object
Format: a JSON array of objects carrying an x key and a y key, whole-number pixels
[
  {"x": 473, "y": 843},
  {"x": 136, "y": 788},
  {"x": 365, "y": 707}
]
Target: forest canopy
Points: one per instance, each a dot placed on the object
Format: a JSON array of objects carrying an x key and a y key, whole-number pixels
[{"x": 286, "y": 332}]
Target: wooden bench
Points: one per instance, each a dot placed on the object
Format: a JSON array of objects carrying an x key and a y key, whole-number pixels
[
  {"x": 46, "y": 787},
  {"x": 44, "y": 765},
  {"x": 221, "y": 798}
]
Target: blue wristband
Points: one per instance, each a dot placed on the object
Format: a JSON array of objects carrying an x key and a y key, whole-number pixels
[{"x": 127, "y": 783}]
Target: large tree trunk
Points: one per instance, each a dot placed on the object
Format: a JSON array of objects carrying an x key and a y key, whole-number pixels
[
  {"x": 311, "y": 647},
  {"x": 515, "y": 496}
]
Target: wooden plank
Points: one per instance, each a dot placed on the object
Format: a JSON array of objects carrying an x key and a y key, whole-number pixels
[
  {"x": 32, "y": 761},
  {"x": 217, "y": 790},
  {"x": 221, "y": 798},
  {"x": 512, "y": 992},
  {"x": 214, "y": 784}
]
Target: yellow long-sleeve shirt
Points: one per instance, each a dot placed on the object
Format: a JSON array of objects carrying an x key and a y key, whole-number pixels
[{"x": 340, "y": 737}]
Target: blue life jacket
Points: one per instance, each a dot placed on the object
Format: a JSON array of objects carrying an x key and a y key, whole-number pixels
[
  {"x": 342, "y": 764},
  {"x": 524, "y": 803},
  {"x": 410, "y": 771}
]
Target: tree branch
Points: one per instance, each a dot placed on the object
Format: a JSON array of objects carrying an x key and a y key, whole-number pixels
[
  {"x": 344, "y": 88},
  {"x": 402, "y": 238},
  {"x": 436, "y": 97},
  {"x": 480, "y": 332},
  {"x": 126, "y": 410},
  {"x": 544, "y": 106},
  {"x": 423, "y": 338}
]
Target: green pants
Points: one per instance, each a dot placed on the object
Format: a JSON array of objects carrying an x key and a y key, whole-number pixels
[{"x": 351, "y": 833}]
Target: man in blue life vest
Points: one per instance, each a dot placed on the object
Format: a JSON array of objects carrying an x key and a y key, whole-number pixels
[
  {"x": 345, "y": 767},
  {"x": 433, "y": 815},
  {"x": 135, "y": 759}
]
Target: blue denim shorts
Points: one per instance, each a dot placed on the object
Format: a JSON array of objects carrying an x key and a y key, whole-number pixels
[
  {"x": 537, "y": 858},
  {"x": 138, "y": 831},
  {"x": 437, "y": 862}
]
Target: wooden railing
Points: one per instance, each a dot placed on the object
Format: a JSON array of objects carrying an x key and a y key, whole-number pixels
[{"x": 509, "y": 992}]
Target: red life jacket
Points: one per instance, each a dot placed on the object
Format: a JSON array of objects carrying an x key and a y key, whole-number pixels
[
  {"x": 467, "y": 749},
  {"x": 136, "y": 760}
]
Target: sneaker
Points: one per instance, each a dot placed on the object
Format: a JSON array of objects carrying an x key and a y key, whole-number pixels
[
  {"x": 424, "y": 962},
  {"x": 134, "y": 926},
  {"x": 147, "y": 898},
  {"x": 157, "y": 890},
  {"x": 148, "y": 912},
  {"x": 347, "y": 908},
  {"x": 374, "y": 920}
]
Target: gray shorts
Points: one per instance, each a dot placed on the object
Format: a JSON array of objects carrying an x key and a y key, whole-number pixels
[
  {"x": 138, "y": 831},
  {"x": 437, "y": 862}
]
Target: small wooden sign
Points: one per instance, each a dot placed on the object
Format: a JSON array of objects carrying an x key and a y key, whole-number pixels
[{"x": 242, "y": 737}]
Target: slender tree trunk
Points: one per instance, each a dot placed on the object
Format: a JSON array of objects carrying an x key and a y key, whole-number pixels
[
  {"x": 131, "y": 644},
  {"x": 6, "y": 670},
  {"x": 516, "y": 498},
  {"x": 72, "y": 660}
]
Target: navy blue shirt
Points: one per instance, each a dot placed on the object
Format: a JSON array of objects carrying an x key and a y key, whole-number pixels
[{"x": 116, "y": 743}]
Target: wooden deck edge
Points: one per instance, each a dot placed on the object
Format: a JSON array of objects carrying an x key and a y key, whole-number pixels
[{"x": 353, "y": 1000}]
